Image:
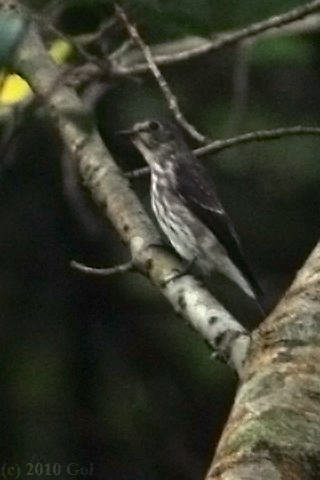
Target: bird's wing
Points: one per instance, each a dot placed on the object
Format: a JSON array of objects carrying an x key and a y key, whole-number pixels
[{"x": 198, "y": 192}]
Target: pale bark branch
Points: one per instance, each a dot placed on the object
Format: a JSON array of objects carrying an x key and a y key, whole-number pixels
[{"x": 111, "y": 191}]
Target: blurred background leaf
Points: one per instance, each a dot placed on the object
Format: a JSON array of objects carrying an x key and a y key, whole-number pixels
[{"x": 12, "y": 29}]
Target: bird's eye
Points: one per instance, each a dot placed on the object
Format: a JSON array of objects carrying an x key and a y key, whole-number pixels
[{"x": 154, "y": 126}]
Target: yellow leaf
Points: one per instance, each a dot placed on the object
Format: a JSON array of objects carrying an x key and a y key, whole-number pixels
[
  {"x": 14, "y": 88},
  {"x": 60, "y": 51}
]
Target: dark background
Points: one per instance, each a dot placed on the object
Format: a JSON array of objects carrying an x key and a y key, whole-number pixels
[{"x": 100, "y": 372}]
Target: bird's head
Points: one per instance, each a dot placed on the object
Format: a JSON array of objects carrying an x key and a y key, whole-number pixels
[{"x": 156, "y": 140}]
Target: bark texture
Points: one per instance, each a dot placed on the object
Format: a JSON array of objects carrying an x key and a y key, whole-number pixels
[{"x": 273, "y": 431}]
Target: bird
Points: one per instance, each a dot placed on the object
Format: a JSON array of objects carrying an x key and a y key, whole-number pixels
[{"x": 186, "y": 205}]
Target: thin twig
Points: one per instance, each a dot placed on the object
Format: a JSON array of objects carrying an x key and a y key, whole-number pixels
[
  {"x": 103, "y": 272},
  {"x": 258, "y": 136},
  {"x": 124, "y": 47},
  {"x": 52, "y": 10},
  {"x": 169, "y": 96},
  {"x": 138, "y": 172},
  {"x": 97, "y": 36},
  {"x": 225, "y": 39}
]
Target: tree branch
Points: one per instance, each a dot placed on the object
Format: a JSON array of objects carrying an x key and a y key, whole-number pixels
[
  {"x": 259, "y": 136},
  {"x": 273, "y": 431},
  {"x": 130, "y": 65},
  {"x": 111, "y": 191},
  {"x": 168, "y": 94},
  {"x": 103, "y": 272}
]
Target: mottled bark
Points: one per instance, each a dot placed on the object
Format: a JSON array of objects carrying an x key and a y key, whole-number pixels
[{"x": 273, "y": 431}]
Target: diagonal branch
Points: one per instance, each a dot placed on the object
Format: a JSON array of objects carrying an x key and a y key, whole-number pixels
[
  {"x": 111, "y": 191},
  {"x": 168, "y": 94}
]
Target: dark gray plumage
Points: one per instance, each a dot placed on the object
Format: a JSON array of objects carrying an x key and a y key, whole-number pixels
[{"x": 186, "y": 205}]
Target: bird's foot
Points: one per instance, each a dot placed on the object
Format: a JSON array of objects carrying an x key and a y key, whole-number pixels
[{"x": 186, "y": 269}]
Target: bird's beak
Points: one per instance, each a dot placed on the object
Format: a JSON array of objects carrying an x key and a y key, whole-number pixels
[{"x": 128, "y": 132}]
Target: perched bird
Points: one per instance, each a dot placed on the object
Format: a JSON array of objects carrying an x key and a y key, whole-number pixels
[{"x": 186, "y": 205}]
